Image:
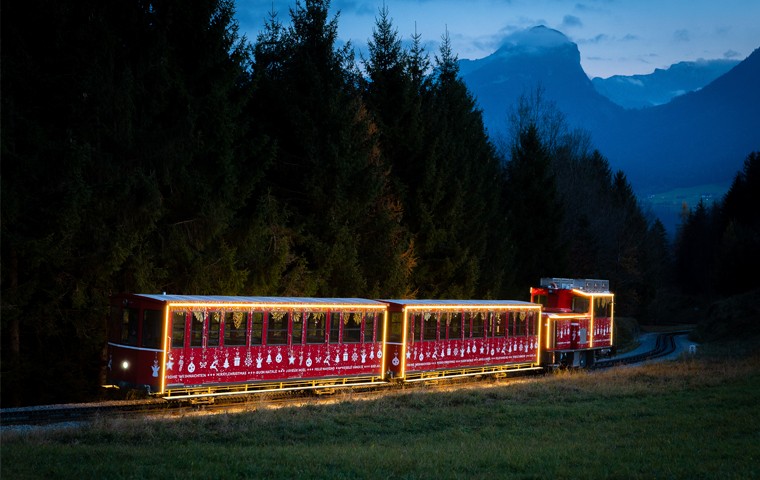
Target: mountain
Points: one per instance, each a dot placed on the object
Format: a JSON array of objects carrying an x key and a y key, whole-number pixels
[
  {"x": 662, "y": 85},
  {"x": 541, "y": 57},
  {"x": 697, "y": 138}
]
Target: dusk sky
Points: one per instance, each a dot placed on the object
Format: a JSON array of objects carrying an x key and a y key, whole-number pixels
[{"x": 615, "y": 37}]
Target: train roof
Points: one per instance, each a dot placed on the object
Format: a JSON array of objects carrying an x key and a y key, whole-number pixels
[
  {"x": 283, "y": 301},
  {"x": 587, "y": 285},
  {"x": 460, "y": 303}
]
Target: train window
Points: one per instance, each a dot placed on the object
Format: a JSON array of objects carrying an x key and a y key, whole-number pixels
[
  {"x": 396, "y": 329},
  {"x": 520, "y": 323},
  {"x": 214, "y": 327},
  {"x": 455, "y": 326},
  {"x": 151, "y": 330},
  {"x": 369, "y": 327},
  {"x": 580, "y": 304},
  {"x": 416, "y": 325},
  {"x": 431, "y": 326},
  {"x": 444, "y": 325},
  {"x": 235, "y": 327},
  {"x": 257, "y": 327},
  {"x": 315, "y": 327},
  {"x": 114, "y": 325},
  {"x": 297, "y": 330},
  {"x": 602, "y": 307},
  {"x": 277, "y": 329},
  {"x": 352, "y": 325},
  {"x": 129, "y": 326},
  {"x": 539, "y": 299},
  {"x": 196, "y": 329},
  {"x": 178, "y": 329},
  {"x": 334, "y": 327},
  {"x": 499, "y": 323},
  {"x": 532, "y": 323},
  {"x": 478, "y": 322}
]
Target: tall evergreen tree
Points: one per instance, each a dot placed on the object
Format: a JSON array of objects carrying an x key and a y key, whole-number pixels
[
  {"x": 328, "y": 173},
  {"x": 124, "y": 119},
  {"x": 457, "y": 197},
  {"x": 534, "y": 209},
  {"x": 737, "y": 262}
]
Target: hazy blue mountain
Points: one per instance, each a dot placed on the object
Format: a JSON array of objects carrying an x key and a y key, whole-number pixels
[
  {"x": 697, "y": 138},
  {"x": 527, "y": 59},
  {"x": 662, "y": 85}
]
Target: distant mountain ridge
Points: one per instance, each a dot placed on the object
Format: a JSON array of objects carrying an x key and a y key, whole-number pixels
[
  {"x": 699, "y": 137},
  {"x": 542, "y": 57},
  {"x": 662, "y": 85}
]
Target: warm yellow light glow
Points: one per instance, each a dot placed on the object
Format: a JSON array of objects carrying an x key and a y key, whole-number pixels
[
  {"x": 591, "y": 323},
  {"x": 305, "y": 306},
  {"x": 612, "y": 323},
  {"x": 403, "y": 346},
  {"x": 385, "y": 342},
  {"x": 166, "y": 349},
  {"x": 592, "y": 294},
  {"x": 539, "y": 321},
  {"x": 471, "y": 307},
  {"x": 125, "y": 365}
]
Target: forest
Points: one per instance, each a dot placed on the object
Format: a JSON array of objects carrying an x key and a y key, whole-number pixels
[{"x": 148, "y": 147}]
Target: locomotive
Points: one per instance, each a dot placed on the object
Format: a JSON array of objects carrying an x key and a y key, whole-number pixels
[{"x": 194, "y": 346}]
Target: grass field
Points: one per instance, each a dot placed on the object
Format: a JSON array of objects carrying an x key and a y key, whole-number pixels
[{"x": 695, "y": 418}]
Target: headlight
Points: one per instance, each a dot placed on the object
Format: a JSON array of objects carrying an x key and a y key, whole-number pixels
[{"x": 125, "y": 364}]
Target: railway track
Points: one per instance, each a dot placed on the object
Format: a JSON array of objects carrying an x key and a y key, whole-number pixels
[
  {"x": 81, "y": 413},
  {"x": 664, "y": 346}
]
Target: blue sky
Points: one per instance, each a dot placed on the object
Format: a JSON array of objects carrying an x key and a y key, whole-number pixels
[{"x": 622, "y": 37}]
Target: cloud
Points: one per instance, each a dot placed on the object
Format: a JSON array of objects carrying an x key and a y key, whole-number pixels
[
  {"x": 681, "y": 35},
  {"x": 731, "y": 54},
  {"x": 600, "y": 38},
  {"x": 356, "y": 7},
  {"x": 569, "y": 21}
]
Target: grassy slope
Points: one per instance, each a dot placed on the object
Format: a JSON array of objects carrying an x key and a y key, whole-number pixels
[{"x": 688, "y": 419}]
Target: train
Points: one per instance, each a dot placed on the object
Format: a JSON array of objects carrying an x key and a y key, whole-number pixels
[{"x": 198, "y": 346}]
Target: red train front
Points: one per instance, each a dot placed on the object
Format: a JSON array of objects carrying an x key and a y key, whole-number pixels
[{"x": 577, "y": 320}]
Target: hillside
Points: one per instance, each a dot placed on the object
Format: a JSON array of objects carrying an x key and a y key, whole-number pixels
[
  {"x": 698, "y": 138},
  {"x": 662, "y": 85}
]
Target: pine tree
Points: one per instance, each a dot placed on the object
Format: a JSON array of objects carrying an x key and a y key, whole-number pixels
[
  {"x": 328, "y": 173},
  {"x": 125, "y": 121},
  {"x": 534, "y": 209},
  {"x": 456, "y": 196}
]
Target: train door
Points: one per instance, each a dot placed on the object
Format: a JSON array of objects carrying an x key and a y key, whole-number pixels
[
  {"x": 179, "y": 346},
  {"x": 394, "y": 351}
]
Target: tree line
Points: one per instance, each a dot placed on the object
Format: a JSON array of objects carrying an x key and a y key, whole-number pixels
[{"x": 147, "y": 147}]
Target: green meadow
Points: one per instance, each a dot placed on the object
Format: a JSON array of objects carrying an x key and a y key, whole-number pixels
[{"x": 692, "y": 418}]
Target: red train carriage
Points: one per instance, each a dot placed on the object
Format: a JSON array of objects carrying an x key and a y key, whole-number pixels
[
  {"x": 437, "y": 338},
  {"x": 182, "y": 345},
  {"x": 577, "y": 320}
]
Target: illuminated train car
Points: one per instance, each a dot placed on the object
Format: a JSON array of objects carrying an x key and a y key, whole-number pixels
[
  {"x": 445, "y": 338},
  {"x": 577, "y": 320},
  {"x": 189, "y": 346},
  {"x": 183, "y": 345}
]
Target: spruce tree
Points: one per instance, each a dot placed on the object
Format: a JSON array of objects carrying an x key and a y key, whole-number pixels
[
  {"x": 122, "y": 152},
  {"x": 534, "y": 210},
  {"x": 457, "y": 197}
]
